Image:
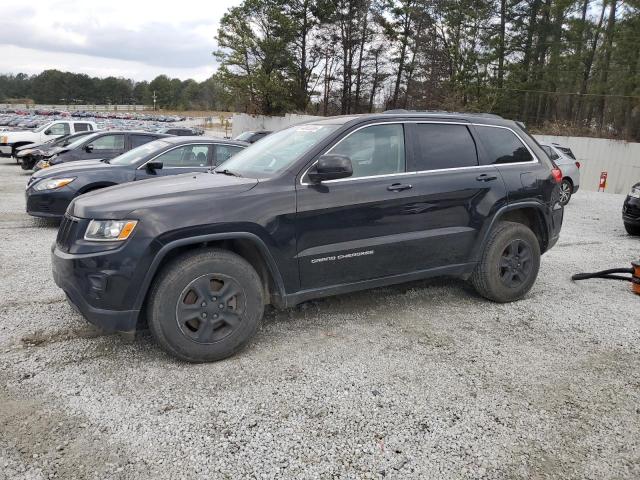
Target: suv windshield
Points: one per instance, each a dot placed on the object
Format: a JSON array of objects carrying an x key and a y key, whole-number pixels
[
  {"x": 42, "y": 127},
  {"x": 278, "y": 151},
  {"x": 139, "y": 153}
]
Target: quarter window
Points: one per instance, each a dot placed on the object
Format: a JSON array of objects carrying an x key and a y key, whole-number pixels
[
  {"x": 186, "y": 156},
  {"x": 375, "y": 150},
  {"x": 441, "y": 146},
  {"x": 502, "y": 146},
  {"x": 108, "y": 142},
  {"x": 549, "y": 151}
]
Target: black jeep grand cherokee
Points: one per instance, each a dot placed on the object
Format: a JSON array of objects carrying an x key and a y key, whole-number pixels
[{"x": 329, "y": 207}]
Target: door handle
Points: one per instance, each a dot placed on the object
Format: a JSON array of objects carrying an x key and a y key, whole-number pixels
[
  {"x": 486, "y": 178},
  {"x": 398, "y": 187}
]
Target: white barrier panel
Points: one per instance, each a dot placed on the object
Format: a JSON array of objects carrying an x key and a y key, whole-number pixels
[
  {"x": 243, "y": 122},
  {"x": 621, "y": 160}
]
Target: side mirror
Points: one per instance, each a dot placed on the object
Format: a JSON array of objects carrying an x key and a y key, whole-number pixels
[
  {"x": 47, "y": 131},
  {"x": 331, "y": 167},
  {"x": 153, "y": 166},
  {"x": 88, "y": 148}
]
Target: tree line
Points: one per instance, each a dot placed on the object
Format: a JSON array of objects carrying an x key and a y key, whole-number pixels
[
  {"x": 56, "y": 87},
  {"x": 569, "y": 63}
]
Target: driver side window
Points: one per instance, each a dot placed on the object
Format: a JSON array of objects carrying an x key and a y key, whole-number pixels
[
  {"x": 59, "y": 129},
  {"x": 374, "y": 150},
  {"x": 186, "y": 156}
]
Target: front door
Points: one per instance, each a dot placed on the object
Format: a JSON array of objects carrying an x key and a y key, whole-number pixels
[{"x": 356, "y": 228}]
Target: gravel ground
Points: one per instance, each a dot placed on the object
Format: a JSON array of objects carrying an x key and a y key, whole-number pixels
[{"x": 422, "y": 380}]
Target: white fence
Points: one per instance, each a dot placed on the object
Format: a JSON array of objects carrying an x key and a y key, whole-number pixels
[
  {"x": 243, "y": 122},
  {"x": 621, "y": 160}
]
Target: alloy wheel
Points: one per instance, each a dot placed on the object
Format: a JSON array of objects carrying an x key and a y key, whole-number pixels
[{"x": 515, "y": 263}]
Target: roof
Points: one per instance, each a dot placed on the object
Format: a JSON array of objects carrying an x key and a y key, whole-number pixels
[{"x": 487, "y": 118}]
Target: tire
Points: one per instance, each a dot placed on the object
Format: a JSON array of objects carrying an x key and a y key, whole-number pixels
[
  {"x": 186, "y": 328},
  {"x": 491, "y": 278},
  {"x": 566, "y": 190},
  {"x": 632, "y": 229}
]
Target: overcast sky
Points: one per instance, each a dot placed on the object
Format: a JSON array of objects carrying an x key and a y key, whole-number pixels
[{"x": 136, "y": 39}]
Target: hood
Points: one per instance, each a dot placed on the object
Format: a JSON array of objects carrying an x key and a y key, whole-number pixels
[
  {"x": 72, "y": 168},
  {"x": 118, "y": 201}
]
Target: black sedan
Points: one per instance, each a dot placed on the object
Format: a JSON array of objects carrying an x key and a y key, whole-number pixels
[
  {"x": 100, "y": 145},
  {"x": 50, "y": 191},
  {"x": 29, "y": 155},
  {"x": 631, "y": 211}
]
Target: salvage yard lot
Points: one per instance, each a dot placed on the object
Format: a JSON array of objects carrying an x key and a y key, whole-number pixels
[{"x": 422, "y": 380}]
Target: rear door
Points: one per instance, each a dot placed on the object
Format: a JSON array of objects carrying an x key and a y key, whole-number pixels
[
  {"x": 195, "y": 157},
  {"x": 453, "y": 196}
]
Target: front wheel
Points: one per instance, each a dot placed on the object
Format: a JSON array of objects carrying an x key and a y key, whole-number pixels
[
  {"x": 509, "y": 264},
  {"x": 566, "y": 190},
  {"x": 205, "y": 305},
  {"x": 632, "y": 229}
]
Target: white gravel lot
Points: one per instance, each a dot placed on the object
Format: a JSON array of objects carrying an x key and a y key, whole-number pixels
[{"x": 423, "y": 380}]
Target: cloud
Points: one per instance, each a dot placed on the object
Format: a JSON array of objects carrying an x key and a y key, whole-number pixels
[{"x": 141, "y": 32}]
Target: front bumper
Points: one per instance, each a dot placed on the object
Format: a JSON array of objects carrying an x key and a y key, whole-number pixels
[
  {"x": 48, "y": 203},
  {"x": 85, "y": 292},
  {"x": 106, "y": 281}
]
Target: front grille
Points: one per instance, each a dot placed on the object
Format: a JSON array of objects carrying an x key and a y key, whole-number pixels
[{"x": 66, "y": 233}]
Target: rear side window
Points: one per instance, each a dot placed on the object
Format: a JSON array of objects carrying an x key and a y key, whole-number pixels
[
  {"x": 549, "y": 151},
  {"x": 442, "y": 146},
  {"x": 82, "y": 127},
  {"x": 137, "y": 140},
  {"x": 502, "y": 146}
]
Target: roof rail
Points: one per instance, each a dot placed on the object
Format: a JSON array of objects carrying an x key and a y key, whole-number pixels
[{"x": 435, "y": 112}]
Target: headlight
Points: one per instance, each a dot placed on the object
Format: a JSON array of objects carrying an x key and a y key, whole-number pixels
[
  {"x": 635, "y": 192},
  {"x": 43, "y": 164},
  {"x": 110, "y": 230},
  {"x": 53, "y": 183}
]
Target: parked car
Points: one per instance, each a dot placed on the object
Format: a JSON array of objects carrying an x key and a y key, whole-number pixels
[
  {"x": 100, "y": 145},
  {"x": 570, "y": 167},
  {"x": 631, "y": 211},
  {"x": 11, "y": 141},
  {"x": 29, "y": 155},
  {"x": 253, "y": 136},
  {"x": 304, "y": 213},
  {"x": 50, "y": 191},
  {"x": 181, "y": 131}
]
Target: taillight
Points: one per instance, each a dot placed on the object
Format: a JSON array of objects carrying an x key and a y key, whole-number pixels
[
  {"x": 578, "y": 164},
  {"x": 557, "y": 174}
]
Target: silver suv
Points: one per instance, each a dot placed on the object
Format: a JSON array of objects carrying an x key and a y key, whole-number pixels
[{"x": 564, "y": 158}]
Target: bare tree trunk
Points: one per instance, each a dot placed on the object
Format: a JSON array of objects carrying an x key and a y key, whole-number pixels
[
  {"x": 586, "y": 73},
  {"x": 608, "y": 46}
]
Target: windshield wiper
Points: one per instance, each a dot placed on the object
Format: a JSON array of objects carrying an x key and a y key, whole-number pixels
[{"x": 228, "y": 172}]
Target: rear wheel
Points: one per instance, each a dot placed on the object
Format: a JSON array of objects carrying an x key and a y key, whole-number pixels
[
  {"x": 632, "y": 229},
  {"x": 205, "y": 305},
  {"x": 566, "y": 189},
  {"x": 509, "y": 264}
]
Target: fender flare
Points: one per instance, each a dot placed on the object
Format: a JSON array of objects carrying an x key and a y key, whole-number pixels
[
  {"x": 539, "y": 207},
  {"x": 168, "y": 247}
]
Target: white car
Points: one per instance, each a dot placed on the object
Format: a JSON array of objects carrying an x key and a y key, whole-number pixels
[
  {"x": 564, "y": 158},
  {"x": 10, "y": 141}
]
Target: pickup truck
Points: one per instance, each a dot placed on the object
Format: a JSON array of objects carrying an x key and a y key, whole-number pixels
[{"x": 10, "y": 141}]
